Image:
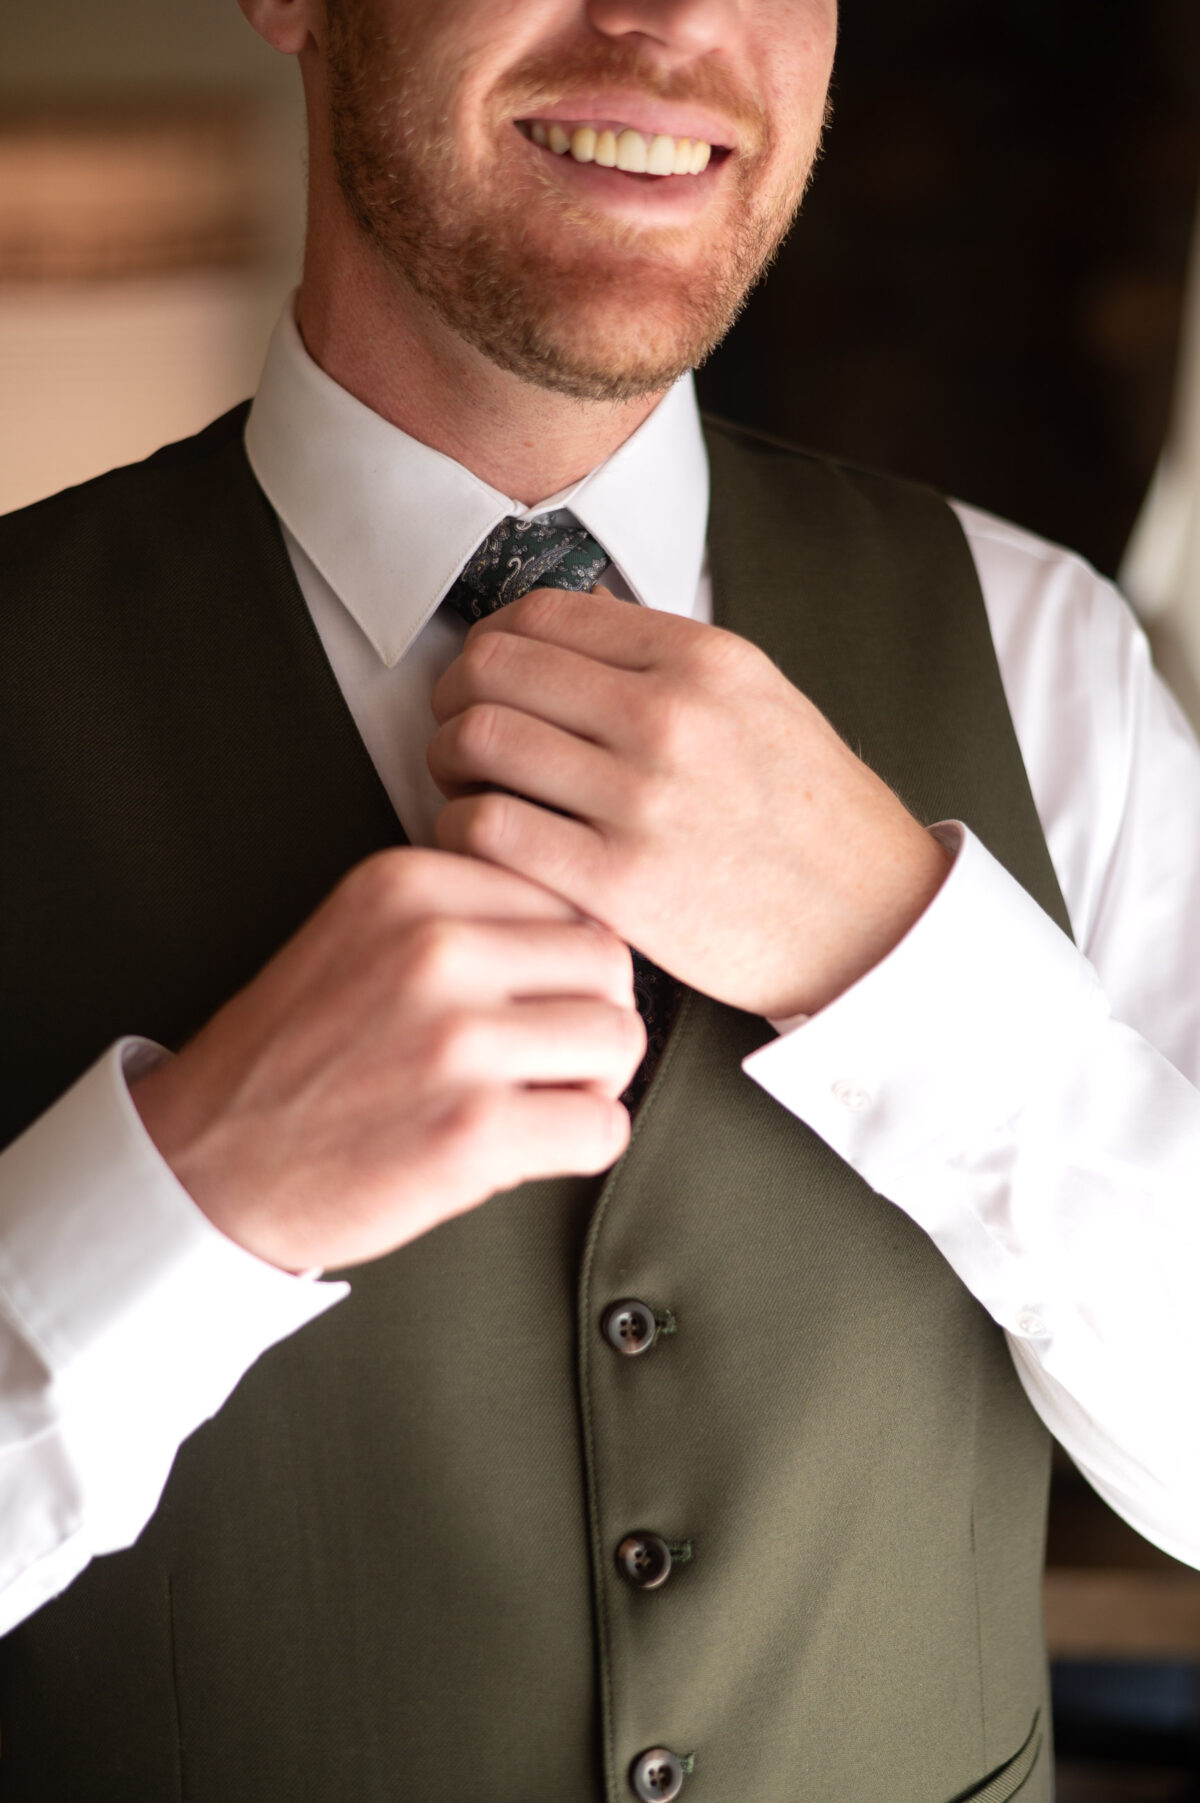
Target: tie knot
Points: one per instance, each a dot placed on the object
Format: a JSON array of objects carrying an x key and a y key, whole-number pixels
[{"x": 519, "y": 555}]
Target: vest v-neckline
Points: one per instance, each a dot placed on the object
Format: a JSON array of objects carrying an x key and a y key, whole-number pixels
[{"x": 883, "y": 651}]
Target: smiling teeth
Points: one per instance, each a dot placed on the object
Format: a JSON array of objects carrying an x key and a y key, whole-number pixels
[{"x": 631, "y": 151}]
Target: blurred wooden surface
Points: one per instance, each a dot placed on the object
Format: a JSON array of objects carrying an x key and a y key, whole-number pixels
[
  {"x": 1109, "y": 1594},
  {"x": 137, "y": 282},
  {"x": 1122, "y": 1614},
  {"x": 93, "y": 193}
]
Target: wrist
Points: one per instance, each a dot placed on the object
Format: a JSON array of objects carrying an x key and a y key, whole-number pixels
[
  {"x": 166, "y": 1101},
  {"x": 875, "y": 912}
]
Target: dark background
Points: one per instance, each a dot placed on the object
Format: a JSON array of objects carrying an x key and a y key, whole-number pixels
[{"x": 985, "y": 286}]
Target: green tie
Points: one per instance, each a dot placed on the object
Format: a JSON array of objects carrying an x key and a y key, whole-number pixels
[{"x": 516, "y": 556}]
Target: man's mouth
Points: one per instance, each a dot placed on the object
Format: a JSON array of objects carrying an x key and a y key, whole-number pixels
[{"x": 615, "y": 146}]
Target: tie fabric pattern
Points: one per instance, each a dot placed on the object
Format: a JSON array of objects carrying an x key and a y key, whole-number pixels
[
  {"x": 519, "y": 555},
  {"x": 515, "y": 557}
]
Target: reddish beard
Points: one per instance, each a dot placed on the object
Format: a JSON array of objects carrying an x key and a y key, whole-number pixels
[{"x": 550, "y": 290}]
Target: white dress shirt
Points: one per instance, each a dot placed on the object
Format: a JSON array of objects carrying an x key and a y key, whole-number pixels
[{"x": 1032, "y": 1106}]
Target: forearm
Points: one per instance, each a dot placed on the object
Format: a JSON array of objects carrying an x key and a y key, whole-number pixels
[
  {"x": 126, "y": 1320},
  {"x": 977, "y": 1080}
]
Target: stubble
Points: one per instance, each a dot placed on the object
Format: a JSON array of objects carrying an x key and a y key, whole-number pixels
[{"x": 552, "y": 292}]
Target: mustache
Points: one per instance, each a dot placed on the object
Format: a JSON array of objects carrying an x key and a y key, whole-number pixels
[{"x": 546, "y": 80}]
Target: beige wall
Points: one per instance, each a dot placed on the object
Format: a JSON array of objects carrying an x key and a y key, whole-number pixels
[{"x": 99, "y": 371}]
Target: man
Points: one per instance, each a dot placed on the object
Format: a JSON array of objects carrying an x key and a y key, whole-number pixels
[{"x": 713, "y": 1476}]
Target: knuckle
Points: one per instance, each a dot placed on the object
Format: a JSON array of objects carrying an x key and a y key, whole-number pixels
[
  {"x": 618, "y": 1038},
  {"x": 473, "y": 1122},
  {"x": 603, "y": 1135},
  {"x": 381, "y": 884},
  {"x": 540, "y": 608},
  {"x": 477, "y": 730},
  {"x": 487, "y": 825},
  {"x": 483, "y": 652},
  {"x": 633, "y": 862},
  {"x": 578, "y": 1133},
  {"x": 719, "y": 654},
  {"x": 632, "y": 1036},
  {"x": 667, "y": 727},
  {"x": 625, "y": 869},
  {"x": 450, "y": 1047},
  {"x": 616, "y": 958},
  {"x": 642, "y": 802},
  {"x": 430, "y": 952}
]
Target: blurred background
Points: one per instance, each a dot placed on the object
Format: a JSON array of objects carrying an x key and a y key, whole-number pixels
[
  {"x": 988, "y": 290},
  {"x": 151, "y": 210}
]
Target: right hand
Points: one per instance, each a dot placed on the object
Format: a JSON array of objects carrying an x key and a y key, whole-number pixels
[{"x": 438, "y": 1030}]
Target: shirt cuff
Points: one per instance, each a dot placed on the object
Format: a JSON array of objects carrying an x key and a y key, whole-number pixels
[
  {"x": 948, "y": 1036},
  {"x": 107, "y": 1263}
]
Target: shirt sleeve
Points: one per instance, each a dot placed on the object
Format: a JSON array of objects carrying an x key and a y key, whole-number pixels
[
  {"x": 126, "y": 1319},
  {"x": 1034, "y": 1106}
]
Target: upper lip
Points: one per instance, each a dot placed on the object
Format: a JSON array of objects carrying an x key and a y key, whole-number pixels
[{"x": 673, "y": 119}]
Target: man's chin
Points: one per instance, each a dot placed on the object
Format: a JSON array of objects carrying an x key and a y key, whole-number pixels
[
  {"x": 587, "y": 369},
  {"x": 599, "y": 342},
  {"x": 585, "y": 373}
]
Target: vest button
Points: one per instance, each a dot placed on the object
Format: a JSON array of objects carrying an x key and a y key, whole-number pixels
[
  {"x": 645, "y": 1560},
  {"x": 657, "y": 1776},
  {"x": 629, "y": 1327}
]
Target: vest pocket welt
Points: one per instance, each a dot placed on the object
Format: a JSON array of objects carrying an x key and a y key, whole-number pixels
[{"x": 1008, "y": 1779}]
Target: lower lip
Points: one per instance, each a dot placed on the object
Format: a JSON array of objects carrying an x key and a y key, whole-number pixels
[{"x": 657, "y": 199}]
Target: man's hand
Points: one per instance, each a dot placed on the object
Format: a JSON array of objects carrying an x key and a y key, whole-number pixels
[
  {"x": 438, "y": 1030},
  {"x": 707, "y": 812}
]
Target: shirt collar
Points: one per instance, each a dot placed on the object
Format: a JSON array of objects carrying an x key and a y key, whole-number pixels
[{"x": 389, "y": 522}]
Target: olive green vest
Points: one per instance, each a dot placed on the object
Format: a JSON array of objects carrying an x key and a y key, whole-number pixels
[{"x": 386, "y": 1572}]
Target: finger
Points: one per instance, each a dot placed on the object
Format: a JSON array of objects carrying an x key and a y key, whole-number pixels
[
  {"x": 449, "y": 962},
  {"x": 407, "y": 884},
  {"x": 493, "y": 1139},
  {"x": 555, "y": 1133},
  {"x": 547, "y": 1041},
  {"x": 560, "y": 686},
  {"x": 499, "y": 746},
  {"x": 564, "y": 855},
  {"x": 599, "y": 626}
]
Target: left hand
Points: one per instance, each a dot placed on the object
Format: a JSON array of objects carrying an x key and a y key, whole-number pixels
[{"x": 707, "y": 812}]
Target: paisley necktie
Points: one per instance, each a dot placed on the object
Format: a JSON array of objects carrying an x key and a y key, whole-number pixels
[{"x": 516, "y": 556}]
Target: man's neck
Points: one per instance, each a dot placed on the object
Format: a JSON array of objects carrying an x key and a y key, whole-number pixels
[{"x": 378, "y": 340}]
